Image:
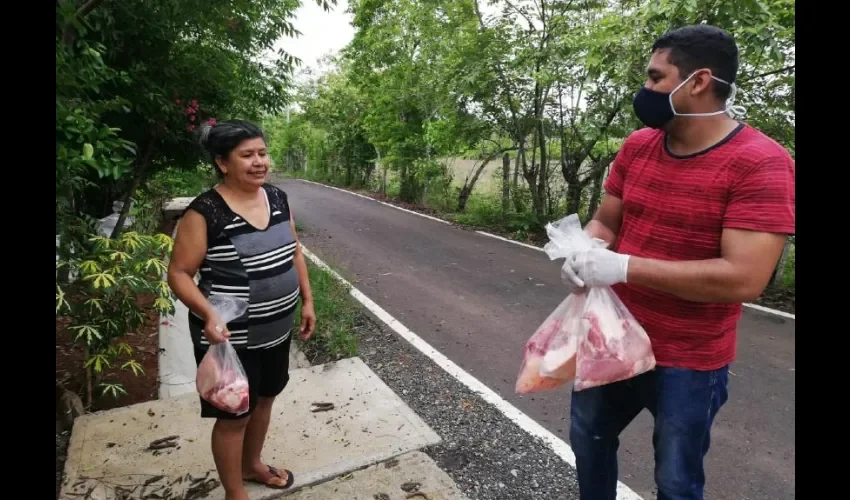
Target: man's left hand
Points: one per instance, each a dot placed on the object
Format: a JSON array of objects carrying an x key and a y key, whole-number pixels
[{"x": 600, "y": 267}]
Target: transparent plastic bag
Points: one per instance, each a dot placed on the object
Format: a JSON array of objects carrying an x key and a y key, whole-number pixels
[
  {"x": 221, "y": 379},
  {"x": 550, "y": 354},
  {"x": 591, "y": 337}
]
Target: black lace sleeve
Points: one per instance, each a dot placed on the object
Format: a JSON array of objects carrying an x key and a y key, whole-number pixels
[
  {"x": 215, "y": 212},
  {"x": 278, "y": 200}
]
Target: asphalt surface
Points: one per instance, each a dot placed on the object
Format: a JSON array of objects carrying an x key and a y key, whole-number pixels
[{"x": 478, "y": 299}]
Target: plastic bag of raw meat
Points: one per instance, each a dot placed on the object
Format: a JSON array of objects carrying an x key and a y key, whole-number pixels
[
  {"x": 591, "y": 338},
  {"x": 550, "y": 354},
  {"x": 221, "y": 379}
]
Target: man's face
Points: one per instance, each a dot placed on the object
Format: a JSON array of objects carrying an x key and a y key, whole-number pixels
[{"x": 661, "y": 76}]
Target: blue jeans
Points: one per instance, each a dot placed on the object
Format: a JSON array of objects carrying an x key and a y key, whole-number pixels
[{"x": 683, "y": 403}]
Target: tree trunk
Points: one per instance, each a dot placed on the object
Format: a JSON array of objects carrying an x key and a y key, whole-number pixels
[
  {"x": 469, "y": 184},
  {"x": 574, "y": 197},
  {"x": 89, "y": 382},
  {"x": 383, "y": 172},
  {"x": 596, "y": 194},
  {"x": 128, "y": 196},
  {"x": 125, "y": 208},
  {"x": 506, "y": 179},
  {"x": 520, "y": 157}
]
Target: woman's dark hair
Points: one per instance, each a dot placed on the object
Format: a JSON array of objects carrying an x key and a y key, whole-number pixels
[{"x": 223, "y": 137}]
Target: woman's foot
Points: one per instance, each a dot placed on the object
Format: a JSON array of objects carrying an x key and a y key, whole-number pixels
[{"x": 270, "y": 476}]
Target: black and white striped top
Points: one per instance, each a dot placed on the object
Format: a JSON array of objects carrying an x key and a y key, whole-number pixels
[{"x": 252, "y": 264}]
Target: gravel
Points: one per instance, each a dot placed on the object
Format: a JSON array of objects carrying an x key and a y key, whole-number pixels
[{"x": 487, "y": 455}]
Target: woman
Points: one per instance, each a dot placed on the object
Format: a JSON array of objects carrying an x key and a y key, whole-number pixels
[{"x": 241, "y": 236}]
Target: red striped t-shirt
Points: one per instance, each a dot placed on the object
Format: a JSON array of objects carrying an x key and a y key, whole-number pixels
[{"x": 675, "y": 208}]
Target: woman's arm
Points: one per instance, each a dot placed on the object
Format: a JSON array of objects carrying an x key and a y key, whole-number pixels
[
  {"x": 190, "y": 247},
  {"x": 308, "y": 314}
]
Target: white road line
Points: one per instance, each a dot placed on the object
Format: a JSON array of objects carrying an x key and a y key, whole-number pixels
[
  {"x": 338, "y": 189},
  {"x": 526, "y": 245},
  {"x": 771, "y": 311},
  {"x": 443, "y": 221},
  {"x": 522, "y": 420},
  {"x": 751, "y": 306}
]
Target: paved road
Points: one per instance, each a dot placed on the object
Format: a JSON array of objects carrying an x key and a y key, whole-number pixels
[{"x": 477, "y": 300}]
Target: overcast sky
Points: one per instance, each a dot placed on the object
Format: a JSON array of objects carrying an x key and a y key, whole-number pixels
[
  {"x": 326, "y": 32},
  {"x": 321, "y": 32}
]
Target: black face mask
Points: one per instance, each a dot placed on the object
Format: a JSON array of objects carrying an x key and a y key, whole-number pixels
[{"x": 655, "y": 109}]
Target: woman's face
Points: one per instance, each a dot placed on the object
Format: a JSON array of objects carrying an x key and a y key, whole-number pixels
[{"x": 247, "y": 164}]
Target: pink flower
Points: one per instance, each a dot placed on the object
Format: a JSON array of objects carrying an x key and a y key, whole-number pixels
[
  {"x": 212, "y": 122},
  {"x": 194, "y": 103},
  {"x": 177, "y": 102},
  {"x": 192, "y": 118},
  {"x": 191, "y": 128}
]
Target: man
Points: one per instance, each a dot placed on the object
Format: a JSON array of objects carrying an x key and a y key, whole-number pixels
[{"x": 696, "y": 213}]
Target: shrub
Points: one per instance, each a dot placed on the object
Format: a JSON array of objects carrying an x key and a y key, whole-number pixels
[{"x": 105, "y": 302}]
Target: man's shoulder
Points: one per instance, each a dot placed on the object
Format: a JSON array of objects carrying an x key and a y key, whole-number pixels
[
  {"x": 754, "y": 146},
  {"x": 642, "y": 137}
]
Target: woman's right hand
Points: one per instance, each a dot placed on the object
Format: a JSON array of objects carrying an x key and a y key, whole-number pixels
[{"x": 215, "y": 330}]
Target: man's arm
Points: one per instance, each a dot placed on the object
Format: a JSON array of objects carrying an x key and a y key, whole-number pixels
[
  {"x": 605, "y": 224},
  {"x": 740, "y": 275},
  {"x": 758, "y": 217}
]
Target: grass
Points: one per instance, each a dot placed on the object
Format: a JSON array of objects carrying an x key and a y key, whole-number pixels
[
  {"x": 789, "y": 275},
  {"x": 337, "y": 315}
]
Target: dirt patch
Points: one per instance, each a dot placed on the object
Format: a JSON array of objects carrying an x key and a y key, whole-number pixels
[{"x": 140, "y": 388}]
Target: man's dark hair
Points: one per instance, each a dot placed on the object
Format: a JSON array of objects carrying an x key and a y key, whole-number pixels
[
  {"x": 223, "y": 137},
  {"x": 703, "y": 46}
]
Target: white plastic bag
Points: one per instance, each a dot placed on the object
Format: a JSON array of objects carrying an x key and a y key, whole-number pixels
[
  {"x": 221, "y": 379},
  {"x": 590, "y": 337}
]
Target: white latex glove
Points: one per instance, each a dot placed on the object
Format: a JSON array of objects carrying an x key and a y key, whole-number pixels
[
  {"x": 568, "y": 275},
  {"x": 570, "y": 278},
  {"x": 599, "y": 267}
]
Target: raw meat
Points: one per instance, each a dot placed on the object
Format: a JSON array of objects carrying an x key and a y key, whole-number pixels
[
  {"x": 531, "y": 380},
  {"x": 221, "y": 379},
  {"x": 561, "y": 362},
  {"x": 231, "y": 397},
  {"x": 591, "y": 337},
  {"x": 550, "y": 354},
  {"x": 614, "y": 348}
]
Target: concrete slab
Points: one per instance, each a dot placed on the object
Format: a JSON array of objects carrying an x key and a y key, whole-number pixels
[
  {"x": 297, "y": 359},
  {"x": 395, "y": 479},
  {"x": 175, "y": 207},
  {"x": 369, "y": 424},
  {"x": 177, "y": 367}
]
